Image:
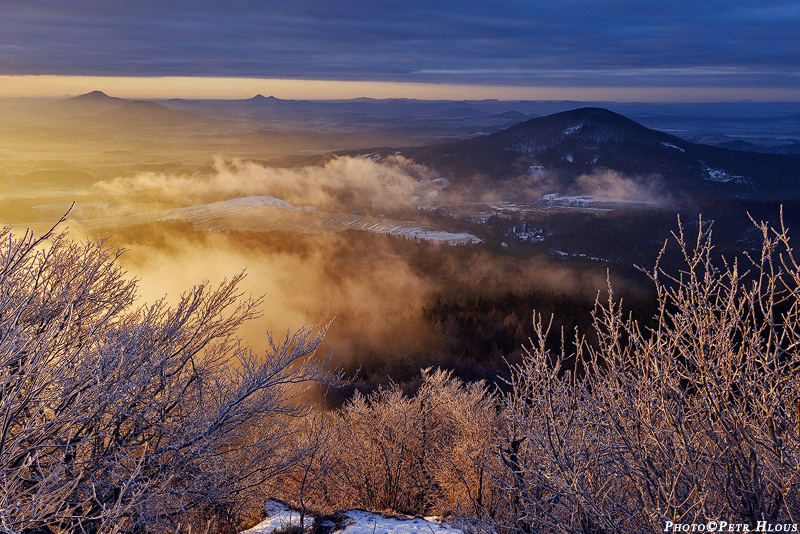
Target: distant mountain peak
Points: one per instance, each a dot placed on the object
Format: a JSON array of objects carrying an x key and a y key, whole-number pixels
[
  {"x": 86, "y": 104},
  {"x": 98, "y": 96},
  {"x": 261, "y": 98}
]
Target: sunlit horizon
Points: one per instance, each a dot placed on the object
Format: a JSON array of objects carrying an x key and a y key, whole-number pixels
[{"x": 52, "y": 86}]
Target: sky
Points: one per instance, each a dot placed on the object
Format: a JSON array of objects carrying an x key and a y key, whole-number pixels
[{"x": 635, "y": 49}]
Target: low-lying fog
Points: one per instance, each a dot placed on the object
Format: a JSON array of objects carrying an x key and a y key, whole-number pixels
[{"x": 368, "y": 242}]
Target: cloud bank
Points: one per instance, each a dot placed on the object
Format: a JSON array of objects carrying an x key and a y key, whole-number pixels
[
  {"x": 579, "y": 43},
  {"x": 344, "y": 184}
]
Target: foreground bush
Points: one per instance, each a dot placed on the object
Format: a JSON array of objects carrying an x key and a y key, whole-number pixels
[
  {"x": 123, "y": 418},
  {"x": 421, "y": 454},
  {"x": 694, "y": 420}
]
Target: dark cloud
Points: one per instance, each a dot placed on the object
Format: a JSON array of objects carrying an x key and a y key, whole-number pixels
[{"x": 555, "y": 42}]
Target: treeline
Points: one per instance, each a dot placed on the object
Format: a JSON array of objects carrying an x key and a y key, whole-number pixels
[{"x": 482, "y": 337}]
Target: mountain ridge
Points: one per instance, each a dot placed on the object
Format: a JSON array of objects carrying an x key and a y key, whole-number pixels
[
  {"x": 146, "y": 114},
  {"x": 586, "y": 140},
  {"x": 90, "y": 103}
]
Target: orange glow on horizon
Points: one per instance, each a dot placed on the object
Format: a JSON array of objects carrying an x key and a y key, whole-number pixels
[{"x": 47, "y": 86}]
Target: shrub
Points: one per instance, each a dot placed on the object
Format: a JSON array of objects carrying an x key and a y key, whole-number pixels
[
  {"x": 694, "y": 420},
  {"x": 122, "y": 418},
  {"x": 416, "y": 454}
]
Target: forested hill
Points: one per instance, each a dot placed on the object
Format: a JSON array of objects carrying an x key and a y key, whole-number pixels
[{"x": 572, "y": 143}]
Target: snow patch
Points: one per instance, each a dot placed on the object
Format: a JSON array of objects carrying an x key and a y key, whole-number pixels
[
  {"x": 440, "y": 183},
  {"x": 364, "y": 522},
  {"x": 588, "y": 201},
  {"x": 531, "y": 236},
  {"x": 357, "y": 522},
  {"x": 719, "y": 175},
  {"x": 279, "y": 515},
  {"x": 562, "y": 254},
  {"x": 537, "y": 172},
  {"x": 254, "y": 202},
  {"x": 670, "y": 145},
  {"x": 269, "y": 213}
]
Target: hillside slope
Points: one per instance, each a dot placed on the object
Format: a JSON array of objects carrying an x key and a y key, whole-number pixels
[{"x": 568, "y": 144}]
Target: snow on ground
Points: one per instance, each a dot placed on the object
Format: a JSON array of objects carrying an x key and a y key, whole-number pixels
[
  {"x": 406, "y": 229},
  {"x": 572, "y": 129},
  {"x": 719, "y": 175},
  {"x": 358, "y": 522},
  {"x": 366, "y": 523},
  {"x": 537, "y": 172},
  {"x": 562, "y": 254},
  {"x": 588, "y": 201},
  {"x": 265, "y": 214},
  {"x": 279, "y": 516},
  {"x": 268, "y": 213},
  {"x": 670, "y": 145},
  {"x": 244, "y": 202}
]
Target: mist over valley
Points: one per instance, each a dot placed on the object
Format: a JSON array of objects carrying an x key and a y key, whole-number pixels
[{"x": 427, "y": 231}]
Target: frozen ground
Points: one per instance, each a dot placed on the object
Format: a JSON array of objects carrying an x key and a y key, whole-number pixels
[{"x": 358, "y": 522}]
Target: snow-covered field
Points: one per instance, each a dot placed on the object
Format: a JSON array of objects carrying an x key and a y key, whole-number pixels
[
  {"x": 357, "y": 522},
  {"x": 265, "y": 214},
  {"x": 590, "y": 202}
]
